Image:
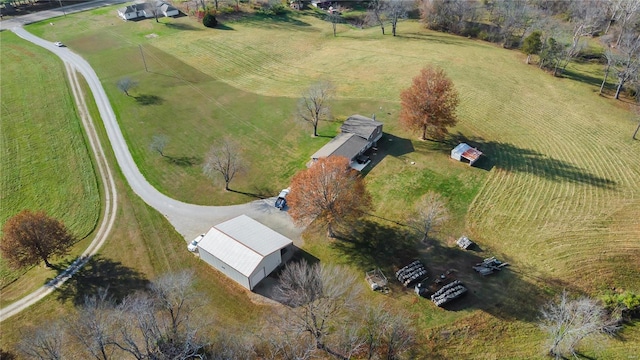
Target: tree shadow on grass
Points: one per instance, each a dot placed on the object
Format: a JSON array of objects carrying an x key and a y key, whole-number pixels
[
  {"x": 102, "y": 273},
  {"x": 514, "y": 293},
  {"x": 388, "y": 145},
  {"x": 223, "y": 27},
  {"x": 369, "y": 244},
  {"x": 145, "y": 99},
  {"x": 582, "y": 77},
  {"x": 182, "y": 26},
  {"x": 511, "y": 158},
  {"x": 183, "y": 160},
  {"x": 286, "y": 21},
  {"x": 254, "y": 195}
]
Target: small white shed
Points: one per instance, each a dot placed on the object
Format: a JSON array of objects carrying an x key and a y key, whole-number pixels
[
  {"x": 464, "y": 151},
  {"x": 244, "y": 250}
]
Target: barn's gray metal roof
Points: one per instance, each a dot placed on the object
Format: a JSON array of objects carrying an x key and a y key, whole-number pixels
[{"x": 242, "y": 243}]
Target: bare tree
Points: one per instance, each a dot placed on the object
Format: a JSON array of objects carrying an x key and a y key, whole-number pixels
[
  {"x": 158, "y": 143},
  {"x": 223, "y": 159},
  {"x": 613, "y": 12},
  {"x": 513, "y": 18},
  {"x": 568, "y": 322},
  {"x": 94, "y": 325},
  {"x": 161, "y": 325},
  {"x": 431, "y": 212},
  {"x": 334, "y": 18},
  {"x": 153, "y": 6},
  {"x": 637, "y": 113},
  {"x": 396, "y": 10},
  {"x": 233, "y": 343},
  {"x": 386, "y": 333},
  {"x": 284, "y": 340},
  {"x": 175, "y": 296},
  {"x": 44, "y": 343},
  {"x": 376, "y": 13},
  {"x": 313, "y": 107},
  {"x": 320, "y": 297},
  {"x": 125, "y": 84},
  {"x": 629, "y": 10},
  {"x": 447, "y": 16},
  {"x": 611, "y": 60},
  {"x": 587, "y": 22},
  {"x": 629, "y": 61}
]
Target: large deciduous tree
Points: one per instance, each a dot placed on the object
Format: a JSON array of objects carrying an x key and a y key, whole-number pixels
[
  {"x": 29, "y": 237},
  {"x": 429, "y": 105},
  {"x": 313, "y": 105},
  {"x": 223, "y": 159},
  {"x": 568, "y": 322},
  {"x": 329, "y": 191}
]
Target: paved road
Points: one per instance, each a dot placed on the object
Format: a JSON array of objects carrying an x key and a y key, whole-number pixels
[
  {"x": 189, "y": 220},
  {"x": 62, "y": 11}
]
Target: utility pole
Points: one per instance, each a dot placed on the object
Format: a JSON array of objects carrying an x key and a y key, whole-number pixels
[
  {"x": 63, "y": 12},
  {"x": 143, "y": 60}
]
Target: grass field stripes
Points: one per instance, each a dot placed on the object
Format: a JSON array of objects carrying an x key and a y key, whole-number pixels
[{"x": 45, "y": 162}]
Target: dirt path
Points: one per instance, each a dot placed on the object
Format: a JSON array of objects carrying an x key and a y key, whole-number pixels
[
  {"x": 110, "y": 209},
  {"x": 189, "y": 220}
]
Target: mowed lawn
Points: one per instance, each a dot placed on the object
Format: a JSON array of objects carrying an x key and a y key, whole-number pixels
[
  {"x": 45, "y": 163},
  {"x": 557, "y": 195}
]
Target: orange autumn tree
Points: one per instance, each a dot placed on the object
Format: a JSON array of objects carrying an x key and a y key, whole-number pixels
[
  {"x": 330, "y": 192},
  {"x": 429, "y": 105},
  {"x": 29, "y": 237}
]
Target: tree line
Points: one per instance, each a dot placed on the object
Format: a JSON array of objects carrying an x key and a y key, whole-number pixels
[
  {"x": 322, "y": 313},
  {"x": 553, "y": 30}
]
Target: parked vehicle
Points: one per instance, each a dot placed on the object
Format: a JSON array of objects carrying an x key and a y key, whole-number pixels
[
  {"x": 193, "y": 245},
  {"x": 281, "y": 201}
]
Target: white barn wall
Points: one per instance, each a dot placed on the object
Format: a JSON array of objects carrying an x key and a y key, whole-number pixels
[{"x": 224, "y": 268}]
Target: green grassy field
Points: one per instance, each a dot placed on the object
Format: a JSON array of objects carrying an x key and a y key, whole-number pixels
[
  {"x": 142, "y": 246},
  {"x": 557, "y": 195},
  {"x": 45, "y": 162}
]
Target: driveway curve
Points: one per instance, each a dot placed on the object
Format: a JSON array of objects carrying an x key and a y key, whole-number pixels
[{"x": 188, "y": 219}]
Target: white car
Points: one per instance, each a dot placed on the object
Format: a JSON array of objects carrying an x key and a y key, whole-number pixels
[
  {"x": 193, "y": 245},
  {"x": 58, "y": 44}
]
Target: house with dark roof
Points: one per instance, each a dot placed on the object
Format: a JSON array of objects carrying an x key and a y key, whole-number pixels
[
  {"x": 358, "y": 134},
  {"x": 147, "y": 10}
]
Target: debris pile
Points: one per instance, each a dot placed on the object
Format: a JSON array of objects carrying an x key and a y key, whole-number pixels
[
  {"x": 448, "y": 292},
  {"x": 489, "y": 265},
  {"x": 411, "y": 273}
]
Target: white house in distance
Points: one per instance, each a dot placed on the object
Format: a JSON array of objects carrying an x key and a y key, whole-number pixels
[
  {"x": 358, "y": 134},
  {"x": 146, "y": 10},
  {"x": 464, "y": 151},
  {"x": 244, "y": 250}
]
